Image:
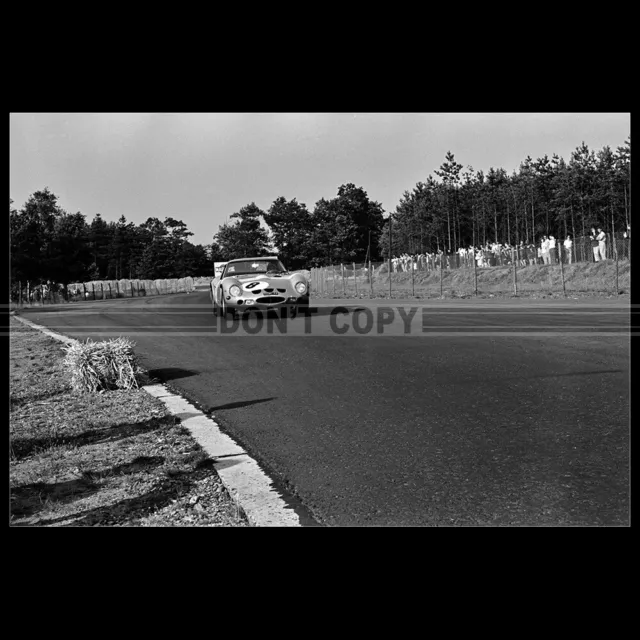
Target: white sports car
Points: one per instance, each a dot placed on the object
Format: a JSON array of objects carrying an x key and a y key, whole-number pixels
[{"x": 258, "y": 284}]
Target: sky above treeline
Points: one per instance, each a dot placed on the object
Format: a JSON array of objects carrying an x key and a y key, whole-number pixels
[{"x": 202, "y": 167}]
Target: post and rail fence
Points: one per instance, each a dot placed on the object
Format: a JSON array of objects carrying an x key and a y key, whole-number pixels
[
  {"x": 463, "y": 273},
  {"x": 510, "y": 270}
]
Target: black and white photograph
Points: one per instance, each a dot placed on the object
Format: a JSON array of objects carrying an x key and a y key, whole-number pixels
[{"x": 331, "y": 319}]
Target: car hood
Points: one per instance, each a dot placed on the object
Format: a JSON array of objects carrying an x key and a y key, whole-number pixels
[{"x": 263, "y": 277}]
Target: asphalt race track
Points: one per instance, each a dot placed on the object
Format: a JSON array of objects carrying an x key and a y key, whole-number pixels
[{"x": 445, "y": 413}]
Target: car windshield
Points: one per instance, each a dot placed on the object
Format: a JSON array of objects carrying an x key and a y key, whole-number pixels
[{"x": 253, "y": 266}]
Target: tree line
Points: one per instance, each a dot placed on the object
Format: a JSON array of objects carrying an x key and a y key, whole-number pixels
[
  {"x": 454, "y": 208},
  {"x": 548, "y": 196},
  {"x": 48, "y": 243}
]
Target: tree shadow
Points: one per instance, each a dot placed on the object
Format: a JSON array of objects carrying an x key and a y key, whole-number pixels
[
  {"x": 125, "y": 512},
  {"x": 28, "y": 499},
  {"x": 22, "y": 447}
]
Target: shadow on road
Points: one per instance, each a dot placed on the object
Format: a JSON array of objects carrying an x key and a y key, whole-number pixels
[
  {"x": 237, "y": 405},
  {"x": 171, "y": 373}
]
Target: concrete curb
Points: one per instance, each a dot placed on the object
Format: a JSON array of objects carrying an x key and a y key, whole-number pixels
[{"x": 240, "y": 474}]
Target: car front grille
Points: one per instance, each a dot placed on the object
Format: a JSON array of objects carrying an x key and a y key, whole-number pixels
[{"x": 269, "y": 299}]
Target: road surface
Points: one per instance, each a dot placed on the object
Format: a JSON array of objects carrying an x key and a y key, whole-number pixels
[{"x": 406, "y": 413}]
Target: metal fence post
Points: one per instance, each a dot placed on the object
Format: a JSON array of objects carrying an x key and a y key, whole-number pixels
[
  {"x": 475, "y": 275},
  {"x": 413, "y": 285},
  {"x": 515, "y": 280},
  {"x": 20, "y": 294},
  {"x": 355, "y": 279},
  {"x": 564, "y": 290},
  {"x": 441, "y": 295},
  {"x": 344, "y": 290},
  {"x": 615, "y": 257}
]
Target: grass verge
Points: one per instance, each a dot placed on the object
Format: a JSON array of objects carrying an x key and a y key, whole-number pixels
[
  {"x": 116, "y": 458},
  {"x": 535, "y": 281}
]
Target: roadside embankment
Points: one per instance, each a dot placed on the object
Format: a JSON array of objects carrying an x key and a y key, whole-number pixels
[
  {"x": 531, "y": 281},
  {"x": 116, "y": 458}
]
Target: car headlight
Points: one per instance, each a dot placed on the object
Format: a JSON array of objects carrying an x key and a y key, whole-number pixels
[
  {"x": 301, "y": 287},
  {"x": 235, "y": 290}
]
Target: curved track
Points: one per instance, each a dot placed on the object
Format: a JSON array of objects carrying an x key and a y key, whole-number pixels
[{"x": 495, "y": 413}]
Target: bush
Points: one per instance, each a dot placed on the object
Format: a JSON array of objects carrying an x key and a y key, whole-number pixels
[{"x": 97, "y": 366}]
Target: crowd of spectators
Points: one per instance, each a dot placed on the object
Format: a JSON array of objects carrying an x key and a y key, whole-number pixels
[
  {"x": 488, "y": 255},
  {"x": 549, "y": 250}
]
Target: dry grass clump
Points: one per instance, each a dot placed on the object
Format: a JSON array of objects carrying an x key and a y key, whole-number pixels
[{"x": 106, "y": 365}]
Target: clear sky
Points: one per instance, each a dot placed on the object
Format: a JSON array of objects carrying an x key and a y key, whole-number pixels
[{"x": 202, "y": 167}]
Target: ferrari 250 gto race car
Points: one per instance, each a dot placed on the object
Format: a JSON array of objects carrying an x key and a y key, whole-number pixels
[{"x": 258, "y": 284}]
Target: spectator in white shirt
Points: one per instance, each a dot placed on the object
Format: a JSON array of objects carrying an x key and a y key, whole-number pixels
[
  {"x": 568, "y": 245},
  {"x": 544, "y": 246},
  {"x": 595, "y": 245},
  {"x": 602, "y": 243}
]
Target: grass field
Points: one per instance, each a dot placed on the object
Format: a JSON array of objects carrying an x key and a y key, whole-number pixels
[{"x": 116, "y": 458}]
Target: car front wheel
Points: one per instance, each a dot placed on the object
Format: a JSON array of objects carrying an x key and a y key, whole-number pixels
[{"x": 226, "y": 312}]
